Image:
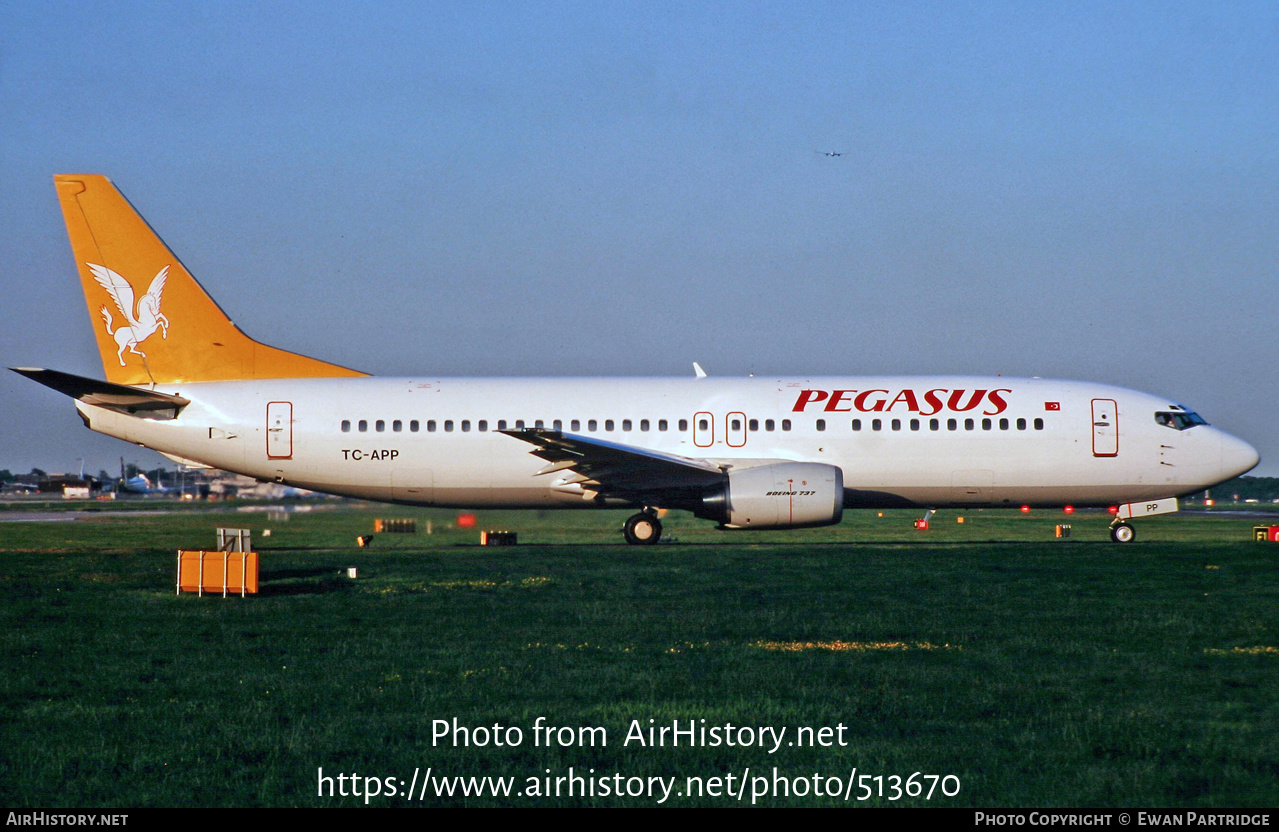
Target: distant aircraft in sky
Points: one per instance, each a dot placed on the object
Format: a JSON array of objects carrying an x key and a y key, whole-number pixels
[
  {"x": 829, "y": 152},
  {"x": 746, "y": 453}
]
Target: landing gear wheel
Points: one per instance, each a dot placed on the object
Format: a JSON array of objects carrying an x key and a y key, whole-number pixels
[
  {"x": 642, "y": 528},
  {"x": 1123, "y": 533}
]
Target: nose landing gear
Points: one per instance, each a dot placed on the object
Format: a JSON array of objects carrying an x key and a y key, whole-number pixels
[
  {"x": 1122, "y": 533},
  {"x": 643, "y": 528}
]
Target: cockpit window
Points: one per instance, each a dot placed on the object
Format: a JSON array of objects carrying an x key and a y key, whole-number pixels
[{"x": 1179, "y": 419}]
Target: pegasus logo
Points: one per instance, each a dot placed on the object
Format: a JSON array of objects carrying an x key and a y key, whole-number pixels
[{"x": 148, "y": 318}]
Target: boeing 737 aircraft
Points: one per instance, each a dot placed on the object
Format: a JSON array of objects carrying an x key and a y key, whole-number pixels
[{"x": 748, "y": 453}]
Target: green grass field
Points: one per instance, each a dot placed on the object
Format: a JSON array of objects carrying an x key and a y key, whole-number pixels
[{"x": 1034, "y": 671}]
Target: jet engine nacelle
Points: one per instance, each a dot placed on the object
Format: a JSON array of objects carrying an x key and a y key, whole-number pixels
[{"x": 785, "y": 495}]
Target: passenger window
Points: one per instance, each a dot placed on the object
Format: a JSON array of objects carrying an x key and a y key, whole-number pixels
[
  {"x": 643, "y": 424},
  {"x": 786, "y": 424},
  {"x": 754, "y": 424},
  {"x": 413, "y": 425},
  {"x": 914, "y": 424},
  {"x": 857, "y": 424},
  {"x": 1039, "y": 424},
  {"x": 448, "y": 425},
  {"x": 557, "y": 424},
  {"x": 519, "y": 424},
  {"x": 702, "y": 424},
  {"x": 501, "y": 424},
  {"x": 483, "y": 425},
  {"x": 1003, "y": 424},
  {"x": 346, "y": 425},
  {"x": 952, "y": 424},
  {"x": 769, "y": 424},
  {"x": 539, "y": 424},
  {"x": 737, "y": 424},
  {"x": 969, "y": 424},
  {"x": 364, "y": 425},
  {"x": 608, "y": 424},
  {"x": 430, "y": 426},
  {"x": 683, "y": 425},
  {"x": 876, "y": 424},
  {"x": 380, "y": 425},
  {"x": 1021, "y": 424},
  {"x": 466, "y": 426},
  {"x": 661, "y": 424},
  {"x": 397, "y": 426},
  {"x": 592, "y": 426},
  {"x": 934, "y": 424},
  {"x": 985, "y": 424},
  {"x": 626, "y": 424},
  {"x": 575, "y": 425}
]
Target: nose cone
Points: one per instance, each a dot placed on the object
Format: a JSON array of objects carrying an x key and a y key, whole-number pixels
[{"x": 1237, "y": 456}]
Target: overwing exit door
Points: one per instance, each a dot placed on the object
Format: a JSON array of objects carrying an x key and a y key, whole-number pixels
[
  {"x": 735, "y": 429},
  {"x": 703, "y": 430}
]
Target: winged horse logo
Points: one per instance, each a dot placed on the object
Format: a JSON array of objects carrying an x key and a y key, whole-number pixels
[{"x": 148, "y": 319}]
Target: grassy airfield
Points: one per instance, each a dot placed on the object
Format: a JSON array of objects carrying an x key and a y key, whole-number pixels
[{"x": 1036, "y": 671}]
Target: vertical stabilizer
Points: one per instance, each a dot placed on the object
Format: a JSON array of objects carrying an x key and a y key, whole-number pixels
[{"x": 154, "y": 323}]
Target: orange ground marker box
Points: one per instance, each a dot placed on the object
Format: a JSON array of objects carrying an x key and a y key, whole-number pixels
[{"x": 222, "y": 572}]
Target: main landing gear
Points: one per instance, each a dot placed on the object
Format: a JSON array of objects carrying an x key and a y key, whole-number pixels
[{"x": 643, "y": 528}]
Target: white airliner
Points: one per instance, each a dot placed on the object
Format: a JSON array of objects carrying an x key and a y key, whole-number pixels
[{"x": 748, "y": 453}]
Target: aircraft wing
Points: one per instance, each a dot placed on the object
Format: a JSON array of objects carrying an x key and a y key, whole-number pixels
[{"x": 615, "y": 470}]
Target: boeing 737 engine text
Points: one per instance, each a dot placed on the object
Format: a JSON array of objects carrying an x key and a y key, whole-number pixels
[{"x": 753, "y": 453}]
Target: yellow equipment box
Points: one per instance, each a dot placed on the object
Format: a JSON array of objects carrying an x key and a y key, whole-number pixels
[{"x": 223, "y": 572}]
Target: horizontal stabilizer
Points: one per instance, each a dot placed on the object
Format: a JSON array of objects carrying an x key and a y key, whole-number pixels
[
  {"x": 190, "y": 464},
  {"x": 119, "y": 397}
]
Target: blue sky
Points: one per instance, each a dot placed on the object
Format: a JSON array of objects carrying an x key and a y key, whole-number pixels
[{"x": 1077, "y": 190}]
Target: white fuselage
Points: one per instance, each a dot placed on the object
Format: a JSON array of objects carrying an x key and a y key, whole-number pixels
[{"x": 928, "y": 441}]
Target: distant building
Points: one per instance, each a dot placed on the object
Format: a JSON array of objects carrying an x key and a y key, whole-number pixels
[{"x": 58, "y": 484}]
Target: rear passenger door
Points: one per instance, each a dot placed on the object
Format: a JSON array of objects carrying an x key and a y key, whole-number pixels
[{"x": 1105, "y": 427}]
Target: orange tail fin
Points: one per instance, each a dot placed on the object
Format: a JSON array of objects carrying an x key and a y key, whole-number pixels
[{"x": 154, "y": 322}]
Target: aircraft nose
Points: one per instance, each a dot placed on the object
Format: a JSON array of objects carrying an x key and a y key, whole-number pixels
[{"x": 1237, "y": 456}]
